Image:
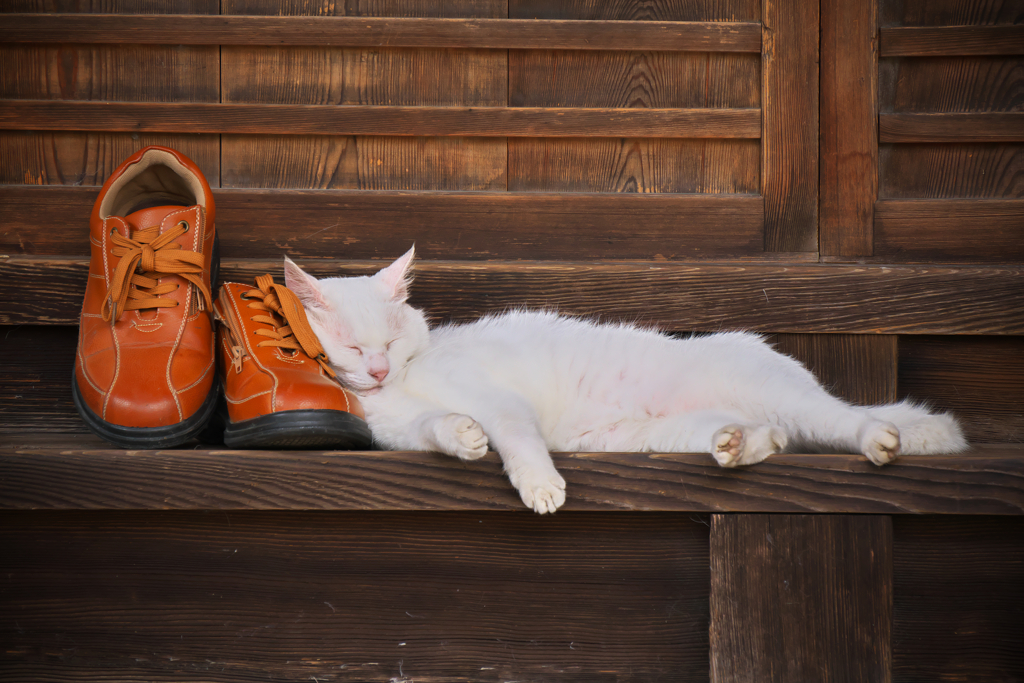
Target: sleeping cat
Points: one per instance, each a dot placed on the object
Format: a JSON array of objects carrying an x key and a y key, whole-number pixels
[{"x": 529, "y": 382}]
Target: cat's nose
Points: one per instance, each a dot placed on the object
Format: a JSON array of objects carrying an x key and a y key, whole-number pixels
[{"x": 379, "y": 375}]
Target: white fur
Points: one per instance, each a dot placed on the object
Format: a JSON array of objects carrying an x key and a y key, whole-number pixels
[{"x": 530, "y": 382}]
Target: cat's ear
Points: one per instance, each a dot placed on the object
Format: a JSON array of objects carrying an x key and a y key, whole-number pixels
[
  {"x": 304, "y": 285},
  {"x": 397, "y": 277}
]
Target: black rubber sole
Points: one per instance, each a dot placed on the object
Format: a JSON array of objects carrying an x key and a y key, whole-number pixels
[
  {"x": 147, "y": 438},
  {"x": 298, "y": 429}
]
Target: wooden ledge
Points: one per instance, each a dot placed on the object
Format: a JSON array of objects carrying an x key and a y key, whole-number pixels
[{"x": 80, "y": 472}]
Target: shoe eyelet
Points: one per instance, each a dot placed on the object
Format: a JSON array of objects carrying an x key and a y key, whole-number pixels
[{"x": 185, "y": 223}]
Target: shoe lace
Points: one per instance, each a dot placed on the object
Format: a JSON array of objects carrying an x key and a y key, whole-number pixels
[
  {"x": 284, "y": 307},
  {"x": 145, "y": 257}
]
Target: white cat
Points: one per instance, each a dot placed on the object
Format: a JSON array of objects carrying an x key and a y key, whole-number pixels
[{"x": 526, "y": 383}]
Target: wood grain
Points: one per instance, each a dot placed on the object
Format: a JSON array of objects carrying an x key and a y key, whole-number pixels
[
  {"x": 957, "y": 599},
  {"x": 762, "y": 297},
  {"x": 949, "y": 12},
  {"x": 848, "y": 148},
  {"x": 952, "y": 84},
  {"x": 385, "y": 32},
  {"x": 630, "y": 10},
  {"x": 789, "y": 157},
  {"x": 35, "y": 379},
  {"x": 454, "y": 597},
  {"x": 286, "y": 119},
  {"x": 931, "y": 41},
  {"x": 801, "y": 598},
  {"x": 78, "y": 472},
  {"x": 464, "y": 225},
  {"x": 962, "y": 230},
  {"x": 495, "y": 9},
  {"x": 938, "y": 171},
  {"x": 952, "y": 127},
  {"x": 114, "y": 6},
  {"x": 859, "y": 368},
  {"x": 979, "y": 379}
]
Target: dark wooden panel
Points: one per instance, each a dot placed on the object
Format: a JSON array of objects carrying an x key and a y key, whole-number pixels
[
  {"x": 950, "y": 12},
  {"x": 114, "y": 6},
  {"x": 801, "y": 598},
  {"x": 860, "y": 368},
  {"x": 952, "y": 170},
  {"x": 952, "y": 84},
  {"x": 789, "y": 159},
  {"x": 930, "y": 41},
  {"x": 385, "y": 32},
  {"x": 379, "y": 120},
  {"x": 344, "y": 597},
  {"x": 445, "y": 225},
  {"x": 958, "y": 599},
  {"x": 956, "y": 127},
  {"x": 848, "y": 146},
  {"x": 950, "y": 230},
  {"x": 80, "y": 472},
  {"x": 762, "y": 297},
  {"x": 43, "y": 158},
  {"x": 495, "y": 9},
  {"x": 35, "y": 378},
  {"x": 637, "y": 165},
  {"x": 631, "y": 10},
  {"x": 980, "y": 379}
]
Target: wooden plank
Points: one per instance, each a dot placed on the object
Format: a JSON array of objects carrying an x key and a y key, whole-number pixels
[
  {"x": 385, "y": 32},
  {"x": 980, "y": 379},
  {"x": 462, "y": 225},
  {"x": 631, "y": 10},
  {"x": 376, "y": 597},
  {"x": 848, "y": 178},
  {"x": 283, "y": 119},
  {"x": 789, "y": 159},
  {"x": 936, "y": 41},
  {"x": 989, "y": 230},
  {"x": 951, "y": 84},
  {"x": 114, "y": 6},
  {"x": 949, "y": 12},
  {"x": 934, "y": 171},
  {"x": 859, "y": 368},
  {"x": 801, "y": 598},
  {"x": 42, "y": 471},
  {"x": 757, "y": 296},
  {"x": 494, "y": 9},
  {"x": 952, "y": 127},
  {"x": 35, "y": 379},
  {"x": 957, "y": 619}
]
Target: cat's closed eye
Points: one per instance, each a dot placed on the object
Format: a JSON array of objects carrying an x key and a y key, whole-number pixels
[{"x": 356, "y": 349}]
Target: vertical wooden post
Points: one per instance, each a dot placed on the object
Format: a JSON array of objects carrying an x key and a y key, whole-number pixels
[
  {"x": 801, "y": 598},
  {"x": 789, "y": 138},
  {"x": 860, "y": 368},
  {"x": 849, "y": 127}
]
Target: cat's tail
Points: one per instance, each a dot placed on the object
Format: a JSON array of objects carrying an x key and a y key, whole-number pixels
[{"x": 921, "y": 431}]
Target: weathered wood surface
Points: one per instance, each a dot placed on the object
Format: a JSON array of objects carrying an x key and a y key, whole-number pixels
[
  {"x": 385, "y": 32},
  {"x": 949, "y": 230},
  {"x": 848, "y": 180},
  {"x": 951, "y": 171},
  {"x": 286, "y": 119},
  {"x": 859, "y": 368},
  {"x": 952, "y": 127},
  {"x": 935, "y": 41},
  {"x": 801, "y": 598},
  {"x": 957, "y": 599},
  {"x": 447, "y": 597},
  {"x": 631, "y": 10},
  {"x": 951, "y": 85},
  {"x": 79, "y": 472},
  {"x": 763, "y": 297},
  {"x": 449, "y": 225}
]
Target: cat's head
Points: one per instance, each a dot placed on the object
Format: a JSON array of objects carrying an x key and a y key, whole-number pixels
[{"x": 366, "y": 327}]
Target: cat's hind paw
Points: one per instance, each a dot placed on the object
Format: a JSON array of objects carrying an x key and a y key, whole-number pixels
[
  {"x": 880, "y": 442},
  {"x": 735, "y": 445},
  {"x": 543, "y": 493},
  {"x": 461, "y": 436}
]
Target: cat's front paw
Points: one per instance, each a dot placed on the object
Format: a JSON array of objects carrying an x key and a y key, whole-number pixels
[
  {"x": 461, "y": 436},
  {"x": 880, "y": 442},
  {"x": 735, "y": 445},
  {"x": 543, "y": 492}
]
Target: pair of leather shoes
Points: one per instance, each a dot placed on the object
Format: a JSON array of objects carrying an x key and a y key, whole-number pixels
[{"x": 147, "y": 373}]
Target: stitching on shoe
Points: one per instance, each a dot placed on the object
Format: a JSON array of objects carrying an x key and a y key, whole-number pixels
[
  {"x": 252, "y": 352},
  {"x": 85, "y": 372},
  {"x": 201, "y": 378},
  {"x": 246, "y": 400}
]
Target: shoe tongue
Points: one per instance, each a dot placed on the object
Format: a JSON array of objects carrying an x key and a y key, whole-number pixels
[{"x": 147, "y": 218}]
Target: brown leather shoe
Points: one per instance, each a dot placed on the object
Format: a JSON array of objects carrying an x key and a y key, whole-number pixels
[
  {"x": 280, "y": 392},
  {"x": 144, "y": 373}
]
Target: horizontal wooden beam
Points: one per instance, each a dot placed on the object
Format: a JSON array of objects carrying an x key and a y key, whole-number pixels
[
  {"x": 459, "y": 225},
  {"x": 763, "y": 297},
  {"x": 297, "y": 119},
  {"x": 61, "y": 472},
  {"x": 937, "y": 41},
  {"x": 989, "y": 230},
  {"x": 951, "y": 127},
  {"x": 521, "y": 34}
]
